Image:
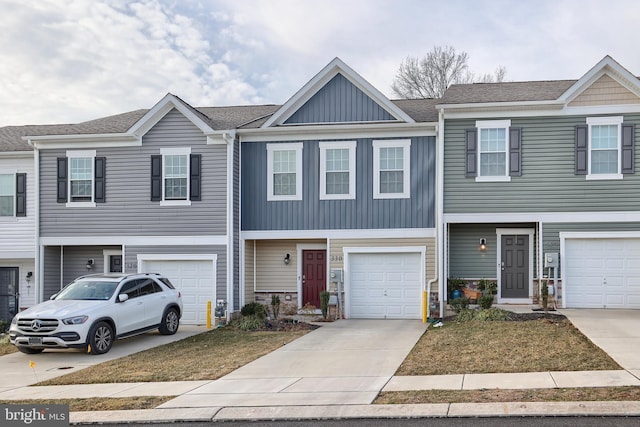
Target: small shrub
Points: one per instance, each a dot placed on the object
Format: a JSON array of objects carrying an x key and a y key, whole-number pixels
[
  {"x": 308, "y": 309},
  {"x": 250, "y": 323},
  {"x": 254, "y": 309},
  {"x": 324, "y": 303},
  {"x": 458, "y": 304},
  {"x": 488, "y": 287},
  {"x": 275, "y": 306},
  {"x": 485, "y": 301},
  {"x": 289, "y": 308},
  {"x": 465, "y": 315},
  {"x": 491, "y": 314},
  {"x": 4, "y": 326}
]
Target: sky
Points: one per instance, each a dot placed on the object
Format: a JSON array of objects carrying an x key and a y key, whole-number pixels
[{"x": 68, "y": 61}]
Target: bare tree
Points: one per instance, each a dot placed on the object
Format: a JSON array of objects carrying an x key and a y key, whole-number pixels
[{"x": 430, "y": 76}]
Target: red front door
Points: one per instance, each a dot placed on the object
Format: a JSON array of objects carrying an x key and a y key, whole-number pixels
[{"x": 314, "y": 269}]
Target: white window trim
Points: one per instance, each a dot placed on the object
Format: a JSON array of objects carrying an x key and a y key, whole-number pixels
[
  {"x": 13, "y": 174},
  {"x": 494, "y": 124},
  {"x": 599, "y": 121},
  {"x": 71, "y": 154},
  {"x": 405, "y": 144},
  {"x": 328, "y": 145},
  {"x": 176, "y": 151},
  {"x": 271, "y": 148}
]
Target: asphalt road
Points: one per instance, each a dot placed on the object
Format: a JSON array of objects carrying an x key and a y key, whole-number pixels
[{"x": 426, "y": 422}]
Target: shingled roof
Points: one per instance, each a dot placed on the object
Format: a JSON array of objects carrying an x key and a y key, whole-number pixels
[{"x": 475, "y": 93}]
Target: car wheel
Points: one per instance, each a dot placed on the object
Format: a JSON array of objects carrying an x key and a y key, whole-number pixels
[
  {"x": 170, "y": 322},
  {"x": 100, "y": 338},
  {"x": 29, "y": 350}
]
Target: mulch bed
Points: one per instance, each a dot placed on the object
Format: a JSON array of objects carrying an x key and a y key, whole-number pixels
[
  {"x": 535, "y": 315},
  {"x": 288, "y": 325}
]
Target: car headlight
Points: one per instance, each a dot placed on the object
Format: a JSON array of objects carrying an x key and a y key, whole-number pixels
[
  {"x": 14, "y": 320},
  {"x": 77, "y": 320}
]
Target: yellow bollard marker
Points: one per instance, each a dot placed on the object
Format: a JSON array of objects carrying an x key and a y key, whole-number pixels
[
  {"x": 425, "y": 307},
  {"x": 208, "y": 314}
]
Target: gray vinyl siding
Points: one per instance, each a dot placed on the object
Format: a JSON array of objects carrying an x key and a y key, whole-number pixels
[
  {"x": 339, "y": 101},
  {"x": 131, "y": 259},
  {"x": 548, "y": 182},
  {"x": 551, "y": 232},
  {"x": 128, "y": 209},
  {"x": 363, "y": 212},
  {"x": 465, "y": 258},
  {"x": 51, "y": 274}
]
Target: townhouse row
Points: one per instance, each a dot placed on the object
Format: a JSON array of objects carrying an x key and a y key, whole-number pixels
[{"x": 338, "y": 189}]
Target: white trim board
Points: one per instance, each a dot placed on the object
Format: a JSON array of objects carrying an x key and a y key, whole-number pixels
[
  {"x": 135, "y": 241},
  {"x": 339, "y": 234},
  {"x": 546, "y": 217}
]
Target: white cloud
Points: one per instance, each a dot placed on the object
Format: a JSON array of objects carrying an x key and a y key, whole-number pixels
[{"x": 74, "y": 60}]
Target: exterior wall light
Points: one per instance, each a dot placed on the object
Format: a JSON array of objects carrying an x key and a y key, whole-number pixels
[
  {"x": 90, "y": 263},
  {"x": 287, "y": 258},
  {"x": 483, "y": 244}
]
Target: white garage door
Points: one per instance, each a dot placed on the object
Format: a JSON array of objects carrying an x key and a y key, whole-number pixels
[
  {"x": 385, "y": 285},
  {"x": 195, "y": 280},
  {"x": 602, "y": 273}
]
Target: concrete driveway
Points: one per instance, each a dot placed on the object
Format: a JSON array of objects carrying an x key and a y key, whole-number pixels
[
  {"x": 16, "y": 371},
  {"x": 341, "y": 363},
  {"x": 617, "y": 332}
]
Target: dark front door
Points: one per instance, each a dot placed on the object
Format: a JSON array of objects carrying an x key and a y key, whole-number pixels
[
  {"x": 8, "y": 293},
  {"x": 515, "y": 266},
  {"x": 115, "y": 264},
  {"x": 314, "y": 270}
]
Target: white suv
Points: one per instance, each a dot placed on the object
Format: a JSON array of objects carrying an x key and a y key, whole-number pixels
[{"x": 92, "y": 311}]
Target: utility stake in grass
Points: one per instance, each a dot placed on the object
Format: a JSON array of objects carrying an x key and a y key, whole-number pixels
[{"x": 32, "y": 365}]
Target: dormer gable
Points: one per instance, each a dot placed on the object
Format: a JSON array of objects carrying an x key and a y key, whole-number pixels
[
  {"x": 607, "y": 83},
  {"x": 162, "y": 108},
  {"x": 337, "y": 94}
]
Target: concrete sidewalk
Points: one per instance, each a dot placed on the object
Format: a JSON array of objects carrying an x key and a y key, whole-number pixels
[{"x": 335, "y": 371}]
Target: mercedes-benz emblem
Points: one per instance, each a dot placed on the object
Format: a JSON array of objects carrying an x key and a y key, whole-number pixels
[{"x": 36, "y": 325}]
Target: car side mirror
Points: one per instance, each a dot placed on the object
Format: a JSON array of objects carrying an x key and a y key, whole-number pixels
[{"x": 122, "y": 297}]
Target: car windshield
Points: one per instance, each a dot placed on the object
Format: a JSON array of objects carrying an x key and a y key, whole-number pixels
[{"x": 88, "y": 290}]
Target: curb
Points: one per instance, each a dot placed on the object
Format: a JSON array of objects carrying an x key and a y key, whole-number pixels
[{"x": 437, "y": 410}]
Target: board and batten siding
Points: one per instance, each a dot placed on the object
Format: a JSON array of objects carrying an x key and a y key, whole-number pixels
[
  {"x": 339, "y": 101},
  {"x": 128, "y": 210},
  {"x": 131, "y": 260},
  {"x": 363, "y": 212},
  {"x": 548, "y": 182},
  {"x": 18, "y": 233},
  {"x": 52, "y": 281}
]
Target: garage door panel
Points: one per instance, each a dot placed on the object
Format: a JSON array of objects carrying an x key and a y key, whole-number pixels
[
  {"x": 385, "y": 285},
  {"x": 196, "y": 282},
  {"x": 602, "y": 273}
]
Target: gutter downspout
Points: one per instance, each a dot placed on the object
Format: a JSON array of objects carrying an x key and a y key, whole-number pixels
[
  {"x": 229, "y": 138},
  {"x": 426, "y": 299},
  {"x": 37, "y": 267},
  {"x": 440, "y": 210}
]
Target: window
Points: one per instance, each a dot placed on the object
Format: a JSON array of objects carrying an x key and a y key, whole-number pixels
[
  {"x": 493, "y": 145},
  {"x": 13, "y": 195},
  {"x": 604, "y": 147},
  {"x": 391, "y": 169},
  {"x": 337, "y": 170},
  {"x": 175, "y": 176},
  {"x": 81, "y": 179},
  {"x": 7, "y": 195},
  {"x": 284, "y": 171}
]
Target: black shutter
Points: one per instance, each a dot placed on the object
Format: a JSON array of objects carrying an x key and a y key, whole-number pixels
[
  {"x": 195, "y": 173},
  {"x": 100, "y": 184},
  {"x": 156, "y": 178},
  {"x": 471, "y": 150},
  {"x": 515, "y": 152},
  {"x": 582, "y": 150},
  {"x": 21, "y": 194},
  {"x": 628, "y": 148},
  {"x": 62, "y": 180}
]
